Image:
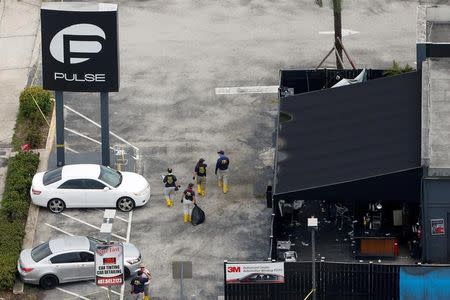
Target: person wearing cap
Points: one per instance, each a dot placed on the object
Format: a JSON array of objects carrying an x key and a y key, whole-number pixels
[
  {"x": 188, "y": 201},
  {"x": 200, "y": 176},
  {"x": 222, "y": 165},
  {"x": 146, "y": 274},
  {"x": 170, "y": 186}
]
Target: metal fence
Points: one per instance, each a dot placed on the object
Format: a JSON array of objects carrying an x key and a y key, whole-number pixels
[{"x": 343, "y": 281}]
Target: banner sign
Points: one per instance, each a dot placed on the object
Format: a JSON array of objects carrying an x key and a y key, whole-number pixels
[
  {"x": 80, "y": 47},
  {"x": 109, "y": 264},
  {"x": 254, "y": 273},
  {"x": 437, "y": 227}
]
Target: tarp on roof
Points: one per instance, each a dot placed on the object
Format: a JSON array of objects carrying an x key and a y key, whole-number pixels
[{"x": 348, "y": 134}]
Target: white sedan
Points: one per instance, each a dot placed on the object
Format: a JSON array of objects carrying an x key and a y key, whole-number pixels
[{"x": 88, "y": 185}]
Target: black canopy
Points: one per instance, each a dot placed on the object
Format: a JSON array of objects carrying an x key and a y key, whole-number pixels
[{"x": 353, "y": 134}]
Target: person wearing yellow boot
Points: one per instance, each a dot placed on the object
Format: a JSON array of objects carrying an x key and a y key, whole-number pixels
[
  {"x": 222, "y": 165},
  {"x": 146, "y": 273},
  {"x": 188, "y": 201},
  {"x": 170, "y": 187},
  {"x": 200, "y": 176}
]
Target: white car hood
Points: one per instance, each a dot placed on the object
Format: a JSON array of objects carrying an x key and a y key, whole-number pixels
[{"x": 132, "y": 182}]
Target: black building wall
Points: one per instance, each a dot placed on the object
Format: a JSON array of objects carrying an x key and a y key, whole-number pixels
[{"x": 436, "y": 206}]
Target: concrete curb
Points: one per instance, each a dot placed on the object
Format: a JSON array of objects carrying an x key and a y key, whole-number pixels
[{"x": 33, "y": 211}]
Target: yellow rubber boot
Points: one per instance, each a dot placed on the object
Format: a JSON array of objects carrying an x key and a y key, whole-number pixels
[
  {"x": 146, "y": 297},
  {"x": 171, "y": 202},
  {"x": 225, "y": 188},
  {"x": 220, "y": 183},
  {"x": 186, "y": 218},
  {"x": 189, "y": 218},
  {"x": 199, "y": 189},
  {"x": 168, "y": 202},
  {"x": 203, "y": 191}
]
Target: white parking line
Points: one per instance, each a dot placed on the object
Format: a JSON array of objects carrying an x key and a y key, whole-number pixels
[
  {"x": 130, "y": 216},
  {"x": 102, "y": 287},
  {"x": 121, "y": 219},
  {"x": 60, "y": 230},
  {"x": 345, "y": 32},
  {"x": 268, "y": 89},
  {"x": 72, "y": 293},
  {"x": 93, "y": 226}
]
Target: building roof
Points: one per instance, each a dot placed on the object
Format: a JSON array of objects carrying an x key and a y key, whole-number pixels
[{"x": 348, "y": 134}]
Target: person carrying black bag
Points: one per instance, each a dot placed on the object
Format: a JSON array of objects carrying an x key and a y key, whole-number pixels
[
  {"x": 188, "y": 201},
  {"x": 138, "y": 286}
]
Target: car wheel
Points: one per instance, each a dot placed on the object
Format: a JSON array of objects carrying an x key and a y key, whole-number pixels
[
  {"x": 127, "y": 273},
  {"x": 56, "y": 205},
  {"x": 125, "y": 204},
  {"x": 48, "y": 282}
]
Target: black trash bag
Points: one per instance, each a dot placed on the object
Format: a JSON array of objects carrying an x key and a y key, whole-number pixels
[{"x": 198, "y": 216}]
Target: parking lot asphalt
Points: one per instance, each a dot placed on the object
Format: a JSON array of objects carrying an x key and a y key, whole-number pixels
[{"x": 173, "y": 55}]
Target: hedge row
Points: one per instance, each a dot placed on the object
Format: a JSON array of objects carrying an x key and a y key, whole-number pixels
[
  {"x": 13, "y": 213},
  {"x": 30, "y": 123}
]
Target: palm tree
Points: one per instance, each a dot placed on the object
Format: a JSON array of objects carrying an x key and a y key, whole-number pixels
[{"x": 337, "y": 9}]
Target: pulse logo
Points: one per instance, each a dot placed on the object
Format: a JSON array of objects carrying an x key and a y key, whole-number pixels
[{"x": 77, "y": 44}]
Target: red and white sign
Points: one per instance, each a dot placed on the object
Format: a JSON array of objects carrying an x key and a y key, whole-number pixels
[
  {"x": 109, "y": 264},
  {"x": 254, "y": 273}
]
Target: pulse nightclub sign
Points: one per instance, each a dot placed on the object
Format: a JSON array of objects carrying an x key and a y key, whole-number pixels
[
  {"x": 80, "y": 47},
  {"x": 109, "y": 264}
]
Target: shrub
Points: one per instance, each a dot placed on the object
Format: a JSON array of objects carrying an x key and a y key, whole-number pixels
[
  {"x": 34, "y": 137},
  {"x": 27, "y": 106},
  {"x": 13, "y": 213},
  {"x": 396, "y": 69}
]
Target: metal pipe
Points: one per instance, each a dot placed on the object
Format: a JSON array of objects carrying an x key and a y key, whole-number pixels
[{"x": 329, "y": 53}]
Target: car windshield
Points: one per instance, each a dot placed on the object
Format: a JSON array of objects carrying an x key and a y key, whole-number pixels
[
  {"x": 40, "y": 252},
  {"x": 93, "y": 243},
  {"x": 52, "y": 176},
  {"x": 110, "y": 176}
]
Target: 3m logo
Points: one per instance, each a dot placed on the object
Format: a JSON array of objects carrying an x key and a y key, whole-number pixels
[
  {"x": 234, "y": 269},
  {"x": 77, "y": 43}
]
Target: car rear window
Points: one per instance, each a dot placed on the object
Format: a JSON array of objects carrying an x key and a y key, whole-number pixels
[
  {"x": 52, "y": 176},
  {"x": 40, "y": 252}
]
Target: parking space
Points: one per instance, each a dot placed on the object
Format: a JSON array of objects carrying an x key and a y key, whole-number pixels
[
  {"x": 83, "y": 222},
  {"x": 174, "y": 54}
]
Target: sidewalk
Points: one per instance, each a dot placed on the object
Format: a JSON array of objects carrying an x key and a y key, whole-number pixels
[{"x": 19, "y": 51}]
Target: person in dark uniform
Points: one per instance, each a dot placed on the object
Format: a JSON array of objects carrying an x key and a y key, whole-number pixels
[
  {"x": 138, "y": 286},
  {"x": 170, "y": 187},
  {"x": 222, "y": 165},
  {"x": 200, "y": 176},
  {"x": 188, "y": 201}
]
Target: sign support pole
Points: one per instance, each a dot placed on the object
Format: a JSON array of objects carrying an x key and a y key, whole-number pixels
[
  {"x": 181, "y": 283},
  {"x": 59, "y": 105},
  {"x": 104, "y": 116}
]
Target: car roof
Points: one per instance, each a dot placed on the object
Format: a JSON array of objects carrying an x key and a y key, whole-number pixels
[
  {"x": 80, "y": 171},
  {"x": 69, "y": 243}
]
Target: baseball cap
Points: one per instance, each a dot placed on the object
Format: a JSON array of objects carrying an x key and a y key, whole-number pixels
[{"x": 221, "y": 152}]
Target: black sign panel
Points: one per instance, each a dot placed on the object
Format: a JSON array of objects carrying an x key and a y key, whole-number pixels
[{"x": 80, "y": 49}]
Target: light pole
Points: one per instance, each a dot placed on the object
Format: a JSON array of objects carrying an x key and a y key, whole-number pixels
[{"x": 313, "y": 225}]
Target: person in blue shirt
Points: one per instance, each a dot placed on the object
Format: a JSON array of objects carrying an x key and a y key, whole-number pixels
[
  {"x": 200, "y": 176},
  {"x": 170, "y": 187},
  {"x": 222, "y": 165}
]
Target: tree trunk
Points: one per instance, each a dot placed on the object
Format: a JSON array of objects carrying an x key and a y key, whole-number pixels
[{"x": 337, "y": 31}]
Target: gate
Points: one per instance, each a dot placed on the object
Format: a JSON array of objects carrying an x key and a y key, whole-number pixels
[{"x": 340, "y": 281}]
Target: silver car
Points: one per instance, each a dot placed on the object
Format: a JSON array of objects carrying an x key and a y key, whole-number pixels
[{"x": 68, "y": 259}]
